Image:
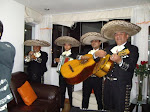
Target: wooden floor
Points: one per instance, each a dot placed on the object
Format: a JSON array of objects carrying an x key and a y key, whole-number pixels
[{"x": 66, "y": 106}]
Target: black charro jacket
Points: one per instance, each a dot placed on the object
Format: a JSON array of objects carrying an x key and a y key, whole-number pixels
[{"x": 124, "y": 73}]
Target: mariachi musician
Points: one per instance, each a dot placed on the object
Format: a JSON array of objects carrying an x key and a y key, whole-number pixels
[
  {"x": 118, "y": 81},
  {"x": 36, "y": 60},
  {"x": 93, "y": 82},
  {"x": 68, "y": 55}
]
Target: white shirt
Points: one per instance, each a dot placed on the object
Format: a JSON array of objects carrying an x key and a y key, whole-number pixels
[
  {"x": 67, "y": 53},
  {"x": 93, "y": 51},
  {"x": 118, "y": 48}
]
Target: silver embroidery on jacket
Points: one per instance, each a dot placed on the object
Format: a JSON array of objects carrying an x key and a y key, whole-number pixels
[{"x": 125, "y": 66}]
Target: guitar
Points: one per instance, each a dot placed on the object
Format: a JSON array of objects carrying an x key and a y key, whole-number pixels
[
  {"x": 76, "y": 71},
  {"x": 105, "y": 64}
]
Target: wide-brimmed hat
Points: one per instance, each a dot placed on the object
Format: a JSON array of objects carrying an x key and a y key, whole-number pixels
[
  {"x": 88, "y": 37},
  {"x": 41, "y": 43},
  {"x": 110, "y": 28},
  {"x": 60, "y": 41}
]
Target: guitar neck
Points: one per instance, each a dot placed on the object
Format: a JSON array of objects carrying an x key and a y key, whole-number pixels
[{"x": 124, "y": 52}]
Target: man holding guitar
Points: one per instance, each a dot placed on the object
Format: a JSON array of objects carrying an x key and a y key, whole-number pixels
[
  {"x": 93, "y": 82},
  {"x": 66, "y": 42},
  {"x": 36, "y": 60},
  {"x": 118, "y": 81}
]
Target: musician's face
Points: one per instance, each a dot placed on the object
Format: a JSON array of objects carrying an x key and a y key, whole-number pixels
[
  {"x": 67, "y": 47},
  {"x": 121, "y": 37},
  {"x": 95, "y": 44},
  {"x": 36, "y": 48}
]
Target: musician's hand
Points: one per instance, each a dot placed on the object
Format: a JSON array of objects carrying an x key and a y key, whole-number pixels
[
  {"x": 115, "y": 58},
  {"x": 31, "y": 54},
  {"x": 100, "y": 53},
  {"x": 84, "y": 57},
  {"x": 57, "y": 60}
]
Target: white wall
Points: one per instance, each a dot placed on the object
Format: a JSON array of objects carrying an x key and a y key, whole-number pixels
[{"x": 12, "y": 16}]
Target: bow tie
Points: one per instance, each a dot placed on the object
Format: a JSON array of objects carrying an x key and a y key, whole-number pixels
[
  {"x": 66, "y": 53},
  {"x": 92, "y": 51},
  {"x": 117, "y": 49}
]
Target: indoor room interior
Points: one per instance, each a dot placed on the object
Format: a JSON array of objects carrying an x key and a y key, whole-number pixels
[{"x": 49, "y": 19}]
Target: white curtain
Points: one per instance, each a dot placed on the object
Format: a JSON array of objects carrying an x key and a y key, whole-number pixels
[
  {"x": 32, "y": 16},
  {"x": 105, "y": 15},
  {"x": 44, "y": 32},
  {"x": 140, "y": 15}
]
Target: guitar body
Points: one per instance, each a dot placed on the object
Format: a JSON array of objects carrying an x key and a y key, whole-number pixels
[
  {"x": 105, "y": 64},
  {"x": 76, "y": 71}
]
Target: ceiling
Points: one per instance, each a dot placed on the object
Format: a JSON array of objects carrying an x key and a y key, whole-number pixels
[{"x": 76, "y": 6}]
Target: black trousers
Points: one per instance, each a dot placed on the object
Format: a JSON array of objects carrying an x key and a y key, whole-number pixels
[
  {"x": 34, "y": 77},
  {"x": 116, "y": 96},
  {"x": 94, "y": 83},
  {"x": 63, "y": 85}
]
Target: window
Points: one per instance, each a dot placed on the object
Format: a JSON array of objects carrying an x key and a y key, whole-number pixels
[
  {"x": 58, "y": 31},
  {"x": 27, "y": 36}
]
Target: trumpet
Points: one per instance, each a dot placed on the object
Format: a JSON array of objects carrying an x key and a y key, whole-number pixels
[{"x": 33, "y": 56}]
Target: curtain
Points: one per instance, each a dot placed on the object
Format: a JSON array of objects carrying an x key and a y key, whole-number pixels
[
  {"x": 140, "y": 16},
  {"x": 32, "y": 16},
  {"x": 44, "y": 32},
  {"x": 105, "y": 15}
]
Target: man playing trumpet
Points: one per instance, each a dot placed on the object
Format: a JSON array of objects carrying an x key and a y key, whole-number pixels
[{"x": 36, "y": 60}]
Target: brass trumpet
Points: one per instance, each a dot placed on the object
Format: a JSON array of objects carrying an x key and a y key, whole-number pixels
[{"x": 33, "y": 56}]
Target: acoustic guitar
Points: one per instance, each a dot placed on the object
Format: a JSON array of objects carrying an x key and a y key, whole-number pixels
[
  {"x": 76, "y": 71},
  {"x": 105, "y": 64}
]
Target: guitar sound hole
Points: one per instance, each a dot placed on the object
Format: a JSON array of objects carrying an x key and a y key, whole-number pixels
[{"x": 71, "y": 68}]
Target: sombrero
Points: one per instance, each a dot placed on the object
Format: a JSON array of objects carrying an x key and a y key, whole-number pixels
[
  {"x": 110, "y": 28},
  {"x": 60, "y": 41},
  {"x": 88, "y": 37},
  {"x": 41, "y": 43}
]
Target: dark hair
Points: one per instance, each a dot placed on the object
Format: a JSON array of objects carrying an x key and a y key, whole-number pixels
[{"x": 1, "y": 29}]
